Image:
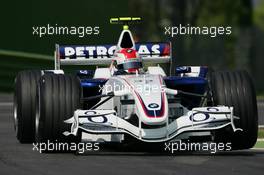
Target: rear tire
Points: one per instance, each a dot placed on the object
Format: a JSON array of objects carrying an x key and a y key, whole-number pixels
[
  {"x": 59, "y": 96},
  {"x": 24, "y": 105},
  {"x": 235, "y": 88}
]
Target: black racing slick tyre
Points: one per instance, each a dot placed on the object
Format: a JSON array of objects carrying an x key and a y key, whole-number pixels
[
  {"x": 235, "y": 88},
  {"x": 58, "y": 97},
  {"x": 24, "y": 105}
]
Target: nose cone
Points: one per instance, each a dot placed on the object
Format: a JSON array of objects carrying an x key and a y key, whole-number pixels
[
  {"x": 151, "y": 101},
  {"x": 153, "y": 110}
]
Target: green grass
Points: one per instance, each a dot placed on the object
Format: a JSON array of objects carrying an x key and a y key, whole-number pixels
[
  {"x": 260, "y": 97},
  {"x": 261, "y": 133},
  {"x": 259, "y": 144}
]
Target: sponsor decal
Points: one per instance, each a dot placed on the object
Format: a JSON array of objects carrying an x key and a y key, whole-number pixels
[
  {"x": 203, "y": 116},
  {"x": 153, "y": 105},
  {"x": 96, "y": 118},
  {"x": 107, "y": 51},
  {"x": 199, "y": 117},
  {"x": 212, "y": 109}
]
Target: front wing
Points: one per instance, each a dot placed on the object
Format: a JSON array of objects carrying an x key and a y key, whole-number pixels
[{"x": 197, "y": 120}]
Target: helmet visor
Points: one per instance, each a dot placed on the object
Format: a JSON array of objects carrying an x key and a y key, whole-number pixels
[{"x": 130, "y": 64}]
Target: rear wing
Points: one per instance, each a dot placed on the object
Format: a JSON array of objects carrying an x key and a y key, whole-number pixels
[{"x": 103, "y": 54}]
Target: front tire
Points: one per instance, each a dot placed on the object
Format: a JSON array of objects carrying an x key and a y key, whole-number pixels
[
  {"x": 235, "y": 88},
  {"x": 59, "y": 96},
  {"x": 24, "y": 105}
]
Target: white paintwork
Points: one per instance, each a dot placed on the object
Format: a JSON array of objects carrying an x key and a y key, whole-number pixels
[
  {"x": 60, "y": 71},
  {"x": 156, "y": 70},
  {"x": 195, "y": 71},
  {"x": 147, "y": 88},
  {"x": 102, "y": 73}
]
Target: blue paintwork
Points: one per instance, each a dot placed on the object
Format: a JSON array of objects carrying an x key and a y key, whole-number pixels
[
  {"x": 85, "y": 72},
  {"x": 188, "y": 84},
  {"x": 187, "y": 69},
  {"x": 185, "y": 80},
  {"x": 203, "y": 71},
  {"x": 92, "y": 82}
]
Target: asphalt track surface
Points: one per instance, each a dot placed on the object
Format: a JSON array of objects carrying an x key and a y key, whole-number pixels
[{"x": 16, "y": 158}]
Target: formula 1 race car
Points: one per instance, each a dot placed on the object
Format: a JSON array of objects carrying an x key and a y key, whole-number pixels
[{"x": 127, "y": 100}]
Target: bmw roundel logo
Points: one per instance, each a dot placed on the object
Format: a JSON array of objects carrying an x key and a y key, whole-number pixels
[{"x": 153, "y": 105}]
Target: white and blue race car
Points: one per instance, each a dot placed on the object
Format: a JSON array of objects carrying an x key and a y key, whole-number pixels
[{"x": 126, "y": 99}]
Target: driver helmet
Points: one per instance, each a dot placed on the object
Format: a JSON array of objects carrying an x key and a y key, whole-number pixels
[{"x": 128, "y": 60}]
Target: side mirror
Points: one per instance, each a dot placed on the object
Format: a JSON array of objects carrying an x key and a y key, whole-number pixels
[{"x": 183, "y": 69}]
